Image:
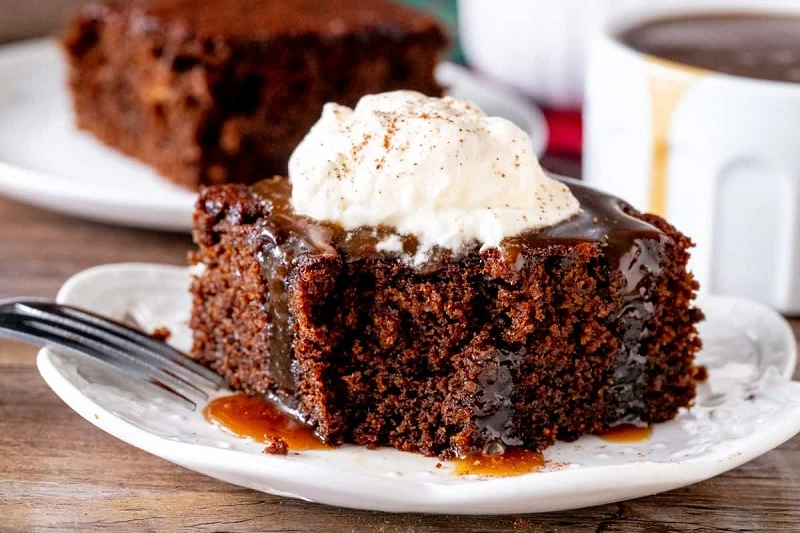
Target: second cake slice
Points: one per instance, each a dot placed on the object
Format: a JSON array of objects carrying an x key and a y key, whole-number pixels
[{"x": 218, "y": 91}]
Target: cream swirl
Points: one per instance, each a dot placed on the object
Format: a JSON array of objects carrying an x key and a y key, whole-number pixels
[{"x": 436, "y": 168}]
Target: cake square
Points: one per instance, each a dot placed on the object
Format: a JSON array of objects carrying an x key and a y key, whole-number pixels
[
  {"x": 562, "y": 332},
  {"x": 218, "y": 91}
]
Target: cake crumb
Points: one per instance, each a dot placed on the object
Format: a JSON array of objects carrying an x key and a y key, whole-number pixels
[
  {"x": 278, "y": 446},
  {"x": 162, "y": 333},
  {"x": 700, "y": 373},
  {"x": 438, "y": 465}
]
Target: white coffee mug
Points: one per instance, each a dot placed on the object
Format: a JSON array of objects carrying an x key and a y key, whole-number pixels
[
  {"x": 717, "y": 155},
  {"x": 537, "y": 46}
]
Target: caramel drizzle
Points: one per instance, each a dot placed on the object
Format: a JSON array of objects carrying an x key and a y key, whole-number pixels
[{"x": 667, "y": 82}]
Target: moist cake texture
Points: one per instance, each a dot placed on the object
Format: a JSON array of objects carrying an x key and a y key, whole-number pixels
[
  {"x": 219, "y": 91},
  {"x": 557, "y": 333}
]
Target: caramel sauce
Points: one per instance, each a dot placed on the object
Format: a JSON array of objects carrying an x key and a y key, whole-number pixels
[
  {"x": 667, "y": 82},
  {"x": 630, "y": 245},
  {"x": 514, "y": 462},
  {"x": 627, "y": 433},
  {"x": 262, "y": 421}
]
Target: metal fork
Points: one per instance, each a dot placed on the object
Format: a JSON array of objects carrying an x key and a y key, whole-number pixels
[{"x": 45, "y": 323}]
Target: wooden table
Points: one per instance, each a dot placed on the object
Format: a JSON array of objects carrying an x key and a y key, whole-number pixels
[{"x": 59, "y": 472}]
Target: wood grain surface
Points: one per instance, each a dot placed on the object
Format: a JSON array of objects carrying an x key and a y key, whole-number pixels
[{"x": 58, "y": 472}]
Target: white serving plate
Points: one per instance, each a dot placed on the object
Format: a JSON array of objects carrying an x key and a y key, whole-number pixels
[
  {"x": 746, "y": 408},
  {"x": 45, "y": 161}
]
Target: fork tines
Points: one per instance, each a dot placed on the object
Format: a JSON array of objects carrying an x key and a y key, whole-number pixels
[{"x": 45, "y": 323}]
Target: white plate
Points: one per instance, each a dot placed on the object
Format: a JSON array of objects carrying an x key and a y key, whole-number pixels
[
  {"x": 46, "y": 161},
  {"x": 748, "y": 407}
]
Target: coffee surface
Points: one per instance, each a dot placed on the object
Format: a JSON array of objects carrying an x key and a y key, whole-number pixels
[{"x": 751, "y": 45}]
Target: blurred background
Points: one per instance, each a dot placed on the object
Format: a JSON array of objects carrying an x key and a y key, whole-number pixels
[
  {"x": 25, "y": 19},
  {"x": 475, "y": 42},
  {"x": 22, "y": 19},
  {"x": 539, "y": 49}
]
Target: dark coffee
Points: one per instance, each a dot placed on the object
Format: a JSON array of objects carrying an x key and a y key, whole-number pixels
[{"x": 751, "y": 45}]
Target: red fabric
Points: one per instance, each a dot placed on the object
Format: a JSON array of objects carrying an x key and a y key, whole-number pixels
[{"x": 566, "y": 132}]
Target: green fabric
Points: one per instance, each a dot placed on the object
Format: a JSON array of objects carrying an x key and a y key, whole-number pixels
[{"x": 446, "y": 11}]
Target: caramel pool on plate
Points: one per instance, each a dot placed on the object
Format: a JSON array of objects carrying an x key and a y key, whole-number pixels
[
  {"x": 513, "y": 462},
  {"x": 627, "y": 433},
  {"x": 262, "y": 421}
]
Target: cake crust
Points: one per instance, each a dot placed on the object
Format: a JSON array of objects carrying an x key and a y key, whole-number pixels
[{"x": 552, "y": 336}]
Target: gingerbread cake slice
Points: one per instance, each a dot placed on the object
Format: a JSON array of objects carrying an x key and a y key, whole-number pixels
[
  {"x": 219, "y": 91},
  {"x": 380, "y": 335}
]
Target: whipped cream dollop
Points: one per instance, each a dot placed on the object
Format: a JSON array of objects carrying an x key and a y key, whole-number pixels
[{"x": 436, "y": 168}]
